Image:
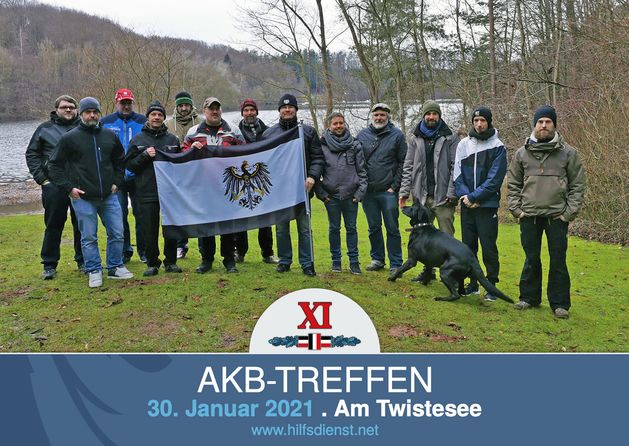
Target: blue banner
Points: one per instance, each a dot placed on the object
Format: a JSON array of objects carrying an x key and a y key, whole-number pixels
[{"x": 245, "y": 399}]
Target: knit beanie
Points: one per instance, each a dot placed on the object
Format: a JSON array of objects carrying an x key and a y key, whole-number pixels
[
  {"x": 155, "y": 106},
  {"x": 485, "y": 112},
  {"x": 430, "y": 106},
  {"x": 248, "y": 102},
  {"x": 545, "y": 111},
  {"x": 287, "y": 99},
  {"x": 183, "y": 97},
  {"x": 89, "y": 103}
]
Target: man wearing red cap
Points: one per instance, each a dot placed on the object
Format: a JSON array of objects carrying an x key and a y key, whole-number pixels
[
  {"x": 126, "y": 123},
  {"x": 252, "y": 128}
]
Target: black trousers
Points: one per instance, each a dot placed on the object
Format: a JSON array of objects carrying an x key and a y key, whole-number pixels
[
  {"x": 149, "y": 214},
  {"x": 265, "y": 240},
  {"x": 558, "y": 288},
  {"x": 482, "y": 224},
  {"x": 56, "y": 204},
  {"x": 207, "y": 247},
  {"x": 127, "y": 192}
]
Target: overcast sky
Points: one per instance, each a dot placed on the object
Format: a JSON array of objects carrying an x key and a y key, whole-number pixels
[{"x": 211, "y": 21}]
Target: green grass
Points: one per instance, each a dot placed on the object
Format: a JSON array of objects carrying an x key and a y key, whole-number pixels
[{"x": 217, "y": 312}]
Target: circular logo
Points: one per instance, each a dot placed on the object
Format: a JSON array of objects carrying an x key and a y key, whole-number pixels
[{"x": 314, "y": 320}]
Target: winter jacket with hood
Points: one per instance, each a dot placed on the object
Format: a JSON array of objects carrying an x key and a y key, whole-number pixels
[
  {"x": 125, "y": 127},
  {"x": 43, "y": 143},
  {"x": 546, "y": 179},
  {"x": 179, "y": 125}
]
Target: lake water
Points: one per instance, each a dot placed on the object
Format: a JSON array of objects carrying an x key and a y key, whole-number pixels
[{"x": 15, "y": 136}]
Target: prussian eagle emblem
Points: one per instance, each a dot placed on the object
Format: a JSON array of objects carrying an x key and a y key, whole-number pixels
[{"x": 246, "y": 187}]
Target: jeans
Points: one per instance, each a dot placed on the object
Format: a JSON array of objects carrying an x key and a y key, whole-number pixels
[
  {"x": 349, "y": 210},
  {"x": 56, "y": 204},
  {"x": 558, "y": 288},
  {"x": 126, "y": 192},
  {"x": 380, "y": 206},
  {"x": 482, "y": 224},
  {"x": 284, "y": 244},
  {"x": 87, "y": 212}
]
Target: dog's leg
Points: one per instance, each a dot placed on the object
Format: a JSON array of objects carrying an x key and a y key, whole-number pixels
[
  {"x": 410, "y": 263},
  {"x": 449, "y": 277}
]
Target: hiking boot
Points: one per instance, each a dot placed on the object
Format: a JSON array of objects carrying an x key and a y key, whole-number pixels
[
  {"x": 49, "y": 273},
  {"x": 522, "y": 305},
  {"x": 490, "y": 298},
  {"x": 204, "y": 267},
  {"x": 426, "y": 276},
  {"x": 561, "y": 313},
  {"x": 151, "y": 271},
  {"x": 271, "y": 259},
  {"x": 120, "y": 273},
  {"x": 95, "y": 279},
  {"x": 181, "y": 252},
  {"x": 143, "y": 259},
  {"x": 375, "y": 265},
  {"x": 336, "y": 267},
  {"x": 231, "y": 269},
  {"x": 354, "y": 268},
  {"x": 172, "y": 269},
  {"x": 282, "y": 268},
  {"x": 472, "y": 288},
  {"x": 309, "y": 271}
]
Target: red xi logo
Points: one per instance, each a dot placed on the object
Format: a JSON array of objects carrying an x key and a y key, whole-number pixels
[{"x": 311, "y": 319}]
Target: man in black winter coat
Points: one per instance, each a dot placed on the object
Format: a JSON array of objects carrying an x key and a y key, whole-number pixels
[
  {"x": 139, "y": 160},
  {"x": 287, "y": 108},
  {"x": 252, "y": 129},
  {"x": 54, "y": 200}
]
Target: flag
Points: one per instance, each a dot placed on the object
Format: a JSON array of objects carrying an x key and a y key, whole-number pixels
[{"x": 229, "y": 189}]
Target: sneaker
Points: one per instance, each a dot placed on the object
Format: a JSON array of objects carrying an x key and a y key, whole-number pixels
[
  {"x": 309, "y": 271},
  {"x": 282, "y": 268},
  {"x": 49, "y": 273},
  {"x": 427, "y": 275},
  {"x": 522, "y": 305},
  {"x": 561, "y": 313},
  {"x": 231, "y": 269},
  {"x": 95, "y": 279},
  {"x": 151, "y": 271},
  {"x": 143, "y": 259},
  {"x": 354, "y": 268},
  {"x": 181, "y": 253},
  {"x": 490, "y": 298},
  {"x": 126, "y": 257},
  {"x": 271, "y": 259},
  {"x": 336, "y": 267},
  {"x": 120, "y": 273},
  {"x": 472, "y": 288},
  {"x": 172, "y": 269},
  {"x": 204, "y": 267},
  {"x": 375, "y": 265}
]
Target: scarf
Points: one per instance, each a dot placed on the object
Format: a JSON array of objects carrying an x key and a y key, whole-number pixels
[
  {"x": 338, "y": 144},
  {"x": 429, "y": 133},
  {"x": 482, "y": 136}
]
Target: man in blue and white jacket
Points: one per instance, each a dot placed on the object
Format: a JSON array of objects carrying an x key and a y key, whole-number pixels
[
  {"x": 479, "y": 169},
  {"x": 126, "y": 124}
]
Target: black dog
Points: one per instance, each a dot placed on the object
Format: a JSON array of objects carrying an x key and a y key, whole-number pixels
[{"x": 435, "y": 248}]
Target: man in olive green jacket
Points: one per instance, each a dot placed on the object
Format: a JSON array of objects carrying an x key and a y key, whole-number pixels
[{"x": 546, "y": 183}]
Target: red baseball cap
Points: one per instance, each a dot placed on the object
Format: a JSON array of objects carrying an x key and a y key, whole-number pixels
[{"x": 124, "y": 94}]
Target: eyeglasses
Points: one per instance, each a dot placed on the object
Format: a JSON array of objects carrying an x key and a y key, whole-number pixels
[{"x": 67, "y": 107}]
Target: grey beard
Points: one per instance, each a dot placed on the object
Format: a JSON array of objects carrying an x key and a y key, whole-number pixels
[
  {"x": 379, "y": 126},
  {"x": 251, "y": 120}
]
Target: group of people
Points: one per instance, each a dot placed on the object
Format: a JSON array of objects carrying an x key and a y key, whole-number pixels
[{"x": 95, "y": 165}]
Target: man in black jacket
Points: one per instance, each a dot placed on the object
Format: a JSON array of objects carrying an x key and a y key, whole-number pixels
[
  {"x": 252, "y": 128},
  {"x": 139, "y": 160},
  {"x": 88, "y": 165},
  {"x": 54, "y": 200},
  {"x": 287, "y": 108}
]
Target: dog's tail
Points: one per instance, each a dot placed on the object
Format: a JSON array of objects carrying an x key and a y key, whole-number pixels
[{"x": 477, "y": 272}]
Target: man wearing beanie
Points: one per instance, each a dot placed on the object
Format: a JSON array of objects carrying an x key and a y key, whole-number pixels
[
  {"x": 287, "y": 108},
  {"x": 139, "y": 160},
  {"x": 479, "y": 169},
  {"x": 55, "y": 201},
  {"x": 183, "y": 119},
  {"x": 384, "y": 149},
  {"x": 126, "y": 123},
  {"x": 252, "y": 129},
  {"x": 88, "y": 165},
  {"x": 428, "y": 169},
  {"x": 546, "y": 183}
]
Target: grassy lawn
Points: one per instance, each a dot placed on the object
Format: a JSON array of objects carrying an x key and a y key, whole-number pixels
[{"x": 216, "y": 312}]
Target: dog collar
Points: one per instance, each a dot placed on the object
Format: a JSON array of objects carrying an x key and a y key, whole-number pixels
[{"x": 419, "y": 225}]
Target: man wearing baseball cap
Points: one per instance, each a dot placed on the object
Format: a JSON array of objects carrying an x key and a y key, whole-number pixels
[
  {"x": 126, "y": 124},
  {"x": 546, "y": 184},
  {"x": 252, "y": 128}
]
